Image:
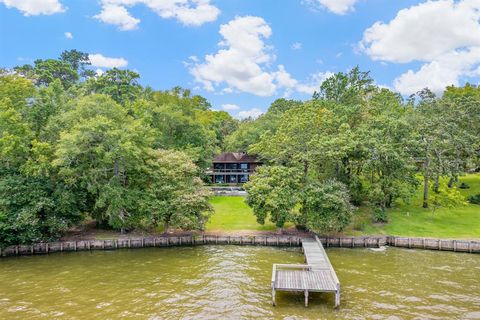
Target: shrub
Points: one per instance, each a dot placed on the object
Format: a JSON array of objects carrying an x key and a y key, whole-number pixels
[
  {"x": 380, "y": 215},
  {"x": 475, "y": 199},
  {"x": 326, "y": 206},
  {"x": 464, "y": 186}
]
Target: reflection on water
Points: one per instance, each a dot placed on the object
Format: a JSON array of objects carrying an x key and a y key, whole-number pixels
[{"x": 233, "y": 282}]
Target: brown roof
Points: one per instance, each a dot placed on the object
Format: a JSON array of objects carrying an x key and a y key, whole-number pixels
[{"x": 235, "y": 157}]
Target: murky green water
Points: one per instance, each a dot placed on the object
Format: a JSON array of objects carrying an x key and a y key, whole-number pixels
[{"x": 232, "y": 282}]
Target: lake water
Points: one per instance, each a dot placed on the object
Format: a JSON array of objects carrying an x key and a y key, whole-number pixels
[{"x": 233, "y": 282}]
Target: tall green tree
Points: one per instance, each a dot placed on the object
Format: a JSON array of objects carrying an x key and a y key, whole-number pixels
[
  {"x": 47, "y": 71},
  {"x": 121, "y": 85},
  {"x": 273, "y": 193},
  {"x": 100, "y": 150},
  {"x": 78, "y": 61},
  {"x": 174, "y": 196}
]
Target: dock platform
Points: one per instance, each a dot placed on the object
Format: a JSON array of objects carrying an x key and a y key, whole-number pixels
[{"x": 317, "y": 275}]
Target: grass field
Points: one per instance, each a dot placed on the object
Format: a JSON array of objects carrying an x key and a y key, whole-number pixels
[
  {"x": 413, "y": 220},
  {"x": 233, "y": 214}
]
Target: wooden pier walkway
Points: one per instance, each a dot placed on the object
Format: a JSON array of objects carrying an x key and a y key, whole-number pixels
[{"x": 317, "y": 275}]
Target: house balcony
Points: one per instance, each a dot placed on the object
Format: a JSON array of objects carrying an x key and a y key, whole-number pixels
[{"x": 229, "y": 171}]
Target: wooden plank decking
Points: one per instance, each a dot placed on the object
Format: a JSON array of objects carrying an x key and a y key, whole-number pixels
[{"x": 317, "y": 275}]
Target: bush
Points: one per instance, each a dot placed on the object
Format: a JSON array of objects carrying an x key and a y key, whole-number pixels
[
  {"x": 475, "y": 199},
  {"x": 464, "y": 186},
  {"x": 380, "y": 215},
  {"x": 326, "y": 206}
]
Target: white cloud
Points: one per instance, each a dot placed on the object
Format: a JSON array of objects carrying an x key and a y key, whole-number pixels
[
  {"x": 229, "y": 106},
  {"x": 240, "y": 60},
  {"x": 314, "y": 82},
  {"x": 252, "y": 113},
  {"x": 444, "y": 35},
  {"x": 425, "y": 31},
  {"x": 119, "y": 16},
  {"x": 35, "y": 7},
  {"x": 336, "y": 6},
  {"x": 68, "y": 35},
  {"x": 290, "y": 84},
  {"x": 441, "y": 72},
  {"x": 188, "y": 12},
  {"x": 100, "y": 61},
  {"x": 296, "y": 46},
  {"x": 244, "y": 62}
]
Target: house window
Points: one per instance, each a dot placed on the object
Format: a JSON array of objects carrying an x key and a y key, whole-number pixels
[
  {"x": 219, "y": 179},
  {"x": 242, "y": 178},
  {"x": 232, "y": 179},
  {"x": 218, "y": 166},
  {"x": 232, "y": 166},
  {"x": 244, "y": 167}
]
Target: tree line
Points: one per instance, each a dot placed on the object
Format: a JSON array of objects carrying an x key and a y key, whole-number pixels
[
  {"x": 76, "y": 145},
  {"x": 357, "y": 144}
]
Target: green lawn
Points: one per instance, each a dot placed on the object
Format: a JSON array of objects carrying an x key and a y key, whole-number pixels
[
  {"x": 413, "y": 220},
  {"x": 233, "y": 214}
]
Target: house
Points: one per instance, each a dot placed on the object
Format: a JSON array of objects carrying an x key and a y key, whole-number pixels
[{"x": 232, "y": 168}]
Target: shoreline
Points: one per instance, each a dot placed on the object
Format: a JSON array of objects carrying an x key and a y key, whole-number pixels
[{"x": 285, "y": 240}]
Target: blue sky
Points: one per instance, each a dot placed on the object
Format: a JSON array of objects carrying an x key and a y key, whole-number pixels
[{"x": 243, "y": 54}]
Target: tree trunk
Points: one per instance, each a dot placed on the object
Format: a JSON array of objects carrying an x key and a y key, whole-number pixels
[
  {"x": 425, "y": 191},
  {"x": 437, "y": 183},
  {"x": 389, "y": 201},
  {"x": 167, "y": 228},
  {"x": 450, "y": 183}
]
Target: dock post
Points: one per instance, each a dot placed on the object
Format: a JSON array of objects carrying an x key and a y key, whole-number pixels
[
  {"x": 306, "y": 298},
  {"x": 337, "y": 296},
  {"x": 273, "y": 296}
]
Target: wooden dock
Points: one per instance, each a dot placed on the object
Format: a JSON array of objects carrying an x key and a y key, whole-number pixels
[{"x": 317, "y": 275}]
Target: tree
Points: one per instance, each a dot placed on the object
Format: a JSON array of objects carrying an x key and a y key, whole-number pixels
[
  {"x": 326, "y": 206},
  {"x": 250, "y": 131},
  {"x": 101, "y": 150},
  {"x": 174, "y": 196},
  {"x": 47, "y": 71},
  {"x": 108, "y": 153},
  {"x": 33, "y": 209},
  {"x": 76, "y": 59},
  {"x": 447, "y": 198},
  {"x": 47, "y": 103},
  {"x": 448, "y": 137},
  {"x": 178, "y": 127},
  {"x": 18, "y": 90},
  {"x": 387, "y": 141},
  {"x": 346, "y": 88},
  {"x": 120, "y": 85},
  {"x": 15, "y": 136},
  {"x": 273, "y": 192}
]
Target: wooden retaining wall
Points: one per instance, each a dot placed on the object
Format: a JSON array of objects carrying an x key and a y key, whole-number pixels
[
  {"x": 470, "y": 246},
  {"x": 435, "y": 244},
  {"x": 354, "y": 242},
  {"x": 271, "y": 240},
  {"x": 111, "y": 244}
]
